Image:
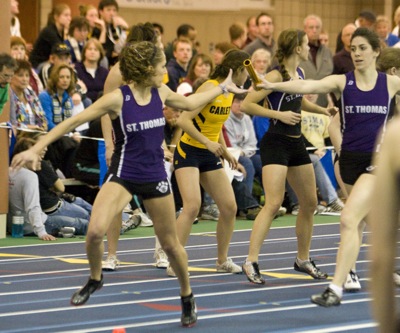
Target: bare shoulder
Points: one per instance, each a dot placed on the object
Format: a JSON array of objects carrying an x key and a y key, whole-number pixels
[
  {"x": 274, "y": 76},
  {"x": 114, "y": 79}
]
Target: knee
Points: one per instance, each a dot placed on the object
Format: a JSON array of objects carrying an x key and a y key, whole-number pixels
[
  {"x": 228, "y": 209},
  {"x": 94, "y": 236},
  {"x": 347, "y": 221}
]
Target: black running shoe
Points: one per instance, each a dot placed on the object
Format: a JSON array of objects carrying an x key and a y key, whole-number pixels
[
  {"x": 310, "y": 268},
  {"x": 189, "y": 311},
  {"x": 81, "y": 296},
  {"x": 327, "y": 299}
]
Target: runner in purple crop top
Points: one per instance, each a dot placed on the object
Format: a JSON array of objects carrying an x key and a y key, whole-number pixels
[
  {"x": 366, "y": 99},
  {"x": 134, "y": 171},
  {"x": 284, "y": 156}
]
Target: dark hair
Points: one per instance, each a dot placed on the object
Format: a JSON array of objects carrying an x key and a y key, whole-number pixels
[
  {"x": 368, "y": 15},
  {"x": 138, "y": 60},
  {"x": 98, "y": 46},
  {"x": 23, "y": 65},
  {"x": 288, "y": 40},
  {"x": 106, "y": 3},
  {"x": 183, "y": 30},
  {"x": 159, "y": 27},
  {"x": 236, "y": 30},
  {"x": 193, "y": 62},
  {"x": 233, "y": 59},
  {"x": 23, "y": 144},
  {"x": 142, "y": 33},
  {"x": 389, "y": 57},
  {"x": 261, "y": 15},
  {"x": 370, "y": 36},
  {"x": 224, "y": 46},
  {"x": 78, "y": 22},
  {"x": 56, "y": 11},
  {"x": 240, "y": 97},
  {"x": 55, "y": 75},
  {"x": 7, "y": 61}
]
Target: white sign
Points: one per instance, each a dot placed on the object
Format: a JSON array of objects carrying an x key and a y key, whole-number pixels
[{"x": 207, "y": 5}]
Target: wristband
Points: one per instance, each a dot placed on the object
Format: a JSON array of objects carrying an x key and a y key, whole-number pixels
[{"x": 223, "y": 88}]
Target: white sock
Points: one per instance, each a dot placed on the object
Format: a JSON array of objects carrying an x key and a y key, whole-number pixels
[
  {"x": 337, "y": 290},
  {"x": 299, "y": 261}
]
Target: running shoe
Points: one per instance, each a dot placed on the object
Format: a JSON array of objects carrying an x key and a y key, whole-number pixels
[
  {"x": 327, "y": 299},
  {"x": 81, "y": 296},
  {"x": 281, "y": 211},
  {"x": 334, "y": 208},
  {"x": 132, "y": 223},
  {"x": 145, "y": 220},
  {"x": 228, "y": 267},
  {"x": 210, "y": 212},
  {"x": 189, "y": 311},
  {"x": 310, "y": 268},
  {"x": 252, "y": 272},
  {"x": 352, "y": 283},
  {"x": 111, "y": 264},
  {"x": 161, "y": 258}
]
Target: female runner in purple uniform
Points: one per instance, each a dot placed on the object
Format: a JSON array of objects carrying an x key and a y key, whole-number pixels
[
  {"x": 284, "y": 155},
  {"x": 137, "y": 165},
  {"x": 367, "y": 100}
]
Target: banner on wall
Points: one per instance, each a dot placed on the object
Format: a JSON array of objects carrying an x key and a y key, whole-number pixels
[{"x": 207, "y": 5}]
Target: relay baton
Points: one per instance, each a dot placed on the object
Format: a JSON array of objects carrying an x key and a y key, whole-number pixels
[{"x": 253, "y": 75}]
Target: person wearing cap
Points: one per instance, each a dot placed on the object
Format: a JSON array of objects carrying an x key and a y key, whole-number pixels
[{"x": 60, "y": 54}]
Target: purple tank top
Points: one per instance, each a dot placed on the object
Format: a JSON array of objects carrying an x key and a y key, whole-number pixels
[
  {"x": 139, "y": 133},
  {"x": 282, "y": 102},
  {"x": 364, "y": 113}
]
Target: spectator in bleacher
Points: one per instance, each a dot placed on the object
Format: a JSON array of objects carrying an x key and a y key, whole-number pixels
[
  {"x": 7, "y": 68},
  {"x": 77, "y": 36},
  {"x": 201, "y": 67},
  {"x": 238, "y": 34},
  {"x": 342, "y": 62},
  {"x": 89, "y": 70},
  {"x": 319, "y": 62},
  {"x": 25, "y": 108},
  {"x": 265, "y": 39},
  {"x": 61, "y": 55},
  {"x": 177, "y": 67},
  {"x": 18, "y": 51},
  {"x": 184, "y": 31},
  {"x": 58, "y": 21},
  {"x": 366, "y": 19},
  {"x": 240, "y": 131},
  {"x": 159, "y": 29},
  {"x": 219, "y": 50},
  {"x": 116, "y": 28},
  {"x": 382, "y": 28},
  {"x": 25, "y": 197},
  {"x": 57, "y": 98},
  {"x": 252, "y": 29},
  {"x": 97, "y": 28}
]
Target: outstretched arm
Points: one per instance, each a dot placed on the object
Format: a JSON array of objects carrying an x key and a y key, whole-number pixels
[
  {"x": 110, "y": 103},
  {"x": 331, "y": 83},
  {"x": 197, "y": 100}
]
